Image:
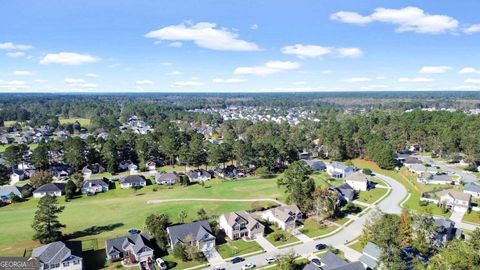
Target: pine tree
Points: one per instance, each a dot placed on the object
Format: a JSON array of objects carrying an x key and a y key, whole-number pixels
[
  {"x": 406, "y": 229},
  {"x": 45, "y": 223}
]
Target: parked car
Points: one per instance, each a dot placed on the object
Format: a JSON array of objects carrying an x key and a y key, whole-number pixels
[
  {"x": 161, "y": 264},
  {"x": 237, "y": 260},
  {"x": 316, "y": 261},
  {"x": 248, "y": 266},
  {"x": 320, "y": 246},
  {"x": 219, "y": 268},
  {"x": 270, "y": 260}
]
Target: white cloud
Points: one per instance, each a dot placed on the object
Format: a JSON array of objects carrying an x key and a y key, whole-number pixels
[
  {"x": 15, "y": 54},
  {"x": 326, "y": 71},
  {"x": 472, "y": 29},
  {"x": 81, "y": 84},
  {"x": 469, "y": 70},
  {"x": 144, "y": 82},
  {"x": 13, "y": 85},
  {"x": 417, "y": 79},
  {"x": 91, "y": 75},
  {"x": 300, "y": 83},
  {"x": 166, "y": 64},
  {"x": 228, "y": 80},
  {"x": 41, "y": 81},
  {"x": 205, "y": 35},
  {"x": 408, "y": 19},
  {"x": 254, "y": 26},
  {"x": 472, "y": 80},
  {"x": 68, "y": 58},
  {"x": 357, "y": 79},
  {"x": 314, "y": 51},
  {"x": 74, "y": 81},
  {"x": 16, "y": 47},
  {"x": 268, "y": 68},
  {"x": 174, "y": 73},
  {"x": 180, "y": 84},
  {"x": 22, "y": 73},
  {"x": 176, "y": 44},
  {"x": 434, "y": 69}
]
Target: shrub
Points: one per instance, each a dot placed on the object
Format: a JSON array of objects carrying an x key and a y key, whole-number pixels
[
  {"x": 179, "y": 252},
  {"x": 279, "y": 237},
  {"x": 367, "y": 171},
  {"x": 423, "y": 203}
]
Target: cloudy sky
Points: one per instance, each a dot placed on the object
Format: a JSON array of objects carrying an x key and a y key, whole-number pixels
[{"x": 238, "y": 46}]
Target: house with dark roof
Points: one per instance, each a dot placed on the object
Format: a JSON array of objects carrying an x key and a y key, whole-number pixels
[
  {"x": 445, "y": 231},
  {"x": 285, "y": 216},
  {"x": 240, "y": 224},
  {"x": 316, "y": 165},
  {"x": 198, "y": 175},
  {"x": 371, "y": 255},
  {"x": 132, "y": 249},
  {"x": 430, "y": 178},
  {"x": 408, "y": 161},
  {"x": 50, "y": 189},
  {"x": 133, "y": 181},
  {"x": 198, "y": 233},
  {"x": 228, "y": 172},
  {"x": 59, "y": 255},
  {"x": 330, "y": 261},
  {"x": 94, "y": 186},
  {"x": 472, "y": 189},
  {"x": 17, "y": 176},
  {"x": 345, "y": 191},
  {"x": 168, "y": 178}
]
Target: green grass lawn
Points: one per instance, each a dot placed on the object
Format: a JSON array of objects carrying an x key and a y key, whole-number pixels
[
  {"x": 237, "y": 248},
  {"x": 84, "y": 122},
  {"x": 371, "y": 195},
  {"x": 357, "y": 246},
  {"x": 313, "y": 229},
  {"x": 273, "y": 230},
  {"x": 32, "y": 146},
  {"x": 112, "y": 213},
  {"x": 404, "y": 177},
  {"x": 341, "y": 221},
  {"x": 174, "y": 263},
  {"x": 472, "y": 217}
]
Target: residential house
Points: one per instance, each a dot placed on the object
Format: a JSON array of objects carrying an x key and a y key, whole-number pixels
[
  {"x": 17, "y": 176},
  {"x": 330, "y": 261},
  {"x": 151, "y": 165},
  {"x": 371, "y": 255},
  {"x": 228, "y": 172},
  {"x": 445, "y": 231},
  {"x": 198, "y": 175},
  {"x": 316, "y": 165},
  {"x": 133, "y": 181},
  {"x": 339, "y": 170},
  {"x": 359, "y": 181},
  {"x": 169, "y": 178},
  {"x": 240, "y": 224},
  {"x": 345, "y": 191},
  {"x": 284, "y": 216},
  {"x": 472, "y": 189},
  {"x": 88, "y": 170},
  {"x": 409, "y": 161},
  {"x": 59, "y": 255},
  {"x": 50, "y": 189},
  {"x": 455, "y": 200},
  {"x": 430, "y": 178},
  {"x": 132, "y": 249},
  {"x": 417, "y": 168},
  {"x": 7, "y": 191},
  {"x": 199, "y": 232},
  {"x": 94, "y": 186}
]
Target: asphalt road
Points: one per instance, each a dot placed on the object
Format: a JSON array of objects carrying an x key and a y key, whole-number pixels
[{"x": 388, "y": 205}]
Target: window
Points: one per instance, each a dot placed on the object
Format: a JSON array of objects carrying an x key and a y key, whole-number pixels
[
  {"x": 55, "y": 265},
  {"x": 66, "y": 264},
  {"x": 76, "y": 262}
]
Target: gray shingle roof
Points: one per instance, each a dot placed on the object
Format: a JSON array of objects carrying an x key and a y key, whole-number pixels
[
  {"x": 372, "y": 250},
  {"x": 311, "y": 266},
  {"x": 346, "y": 191},
  {"x": 57, "y": 252},
  {"x": 350, "y": 266},
  {"x": 285, "y": 212},
  {"x": 371, "y": 263},
  {"x": 358, "y": 177},
  {"x": 94, "y": 182},
  {"x": 51, "y": 187},
  {"x": 241, "y": 216},
  {"x": 119, "y": 244},
  {"x": 168, "y": 177},
  {"x": 7, "y": 190},
  {"x": 331, "y": 261},
  {"x": 472, "y": 187},
  {"x": 132, "y": 179},
  {"x": 199, "y": 230}
]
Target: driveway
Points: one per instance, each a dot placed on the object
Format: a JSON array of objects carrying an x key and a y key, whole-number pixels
[
  {"x": 389, "y": 205},
  {"x": 213, "y": 257},
  {"x": 302, "y": 237},
  {"x": 263, "y": 242}
]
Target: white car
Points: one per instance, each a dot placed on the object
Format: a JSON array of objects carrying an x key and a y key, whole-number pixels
[
  {"x": 248, "y": 266},
  {"x": 270, "y": 260},
  {"x": 161, "y": 263}
]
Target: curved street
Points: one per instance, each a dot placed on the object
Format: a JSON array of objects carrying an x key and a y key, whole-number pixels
[{"x": 390, "y": 204}]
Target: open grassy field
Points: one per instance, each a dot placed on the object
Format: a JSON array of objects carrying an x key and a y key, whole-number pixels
[
  {"x": 472, "y": 217},
  {"x": 413, "y": 187},
  {"x": 84, "y": 122},
  {"x": 273, "y": 230},
  {"x": 32, "y": 146},
  {"x": 112, "y": 213},
  {"x": 313, "y": 229},
  {"x": 237, "y": 248},
  {"x": 371, "y": 195}
]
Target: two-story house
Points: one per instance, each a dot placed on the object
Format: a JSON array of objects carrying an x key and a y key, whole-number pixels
[
  {"x": 240, "y": 224},
  {"x": 284, "y": 216},
  {"x": 59, "y": 255},
  {"x": 455, "y": 200},
  {"x": 197, "y": 233},
  {"x": 132, "y": 249}
]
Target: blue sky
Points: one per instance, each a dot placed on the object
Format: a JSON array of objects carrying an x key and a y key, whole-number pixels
[{"x": 238, "y": 46}]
